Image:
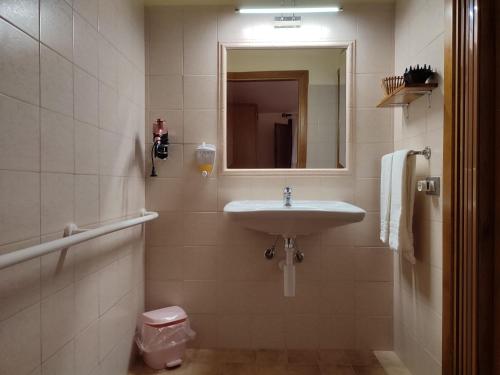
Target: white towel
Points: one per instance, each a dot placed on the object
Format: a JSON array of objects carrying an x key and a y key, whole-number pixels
[
  {"x": 402, "y": 198},
  {"x": 385, "y": 196}
]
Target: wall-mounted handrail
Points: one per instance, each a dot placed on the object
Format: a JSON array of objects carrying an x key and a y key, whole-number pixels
[{"x": 81, "y": 235}]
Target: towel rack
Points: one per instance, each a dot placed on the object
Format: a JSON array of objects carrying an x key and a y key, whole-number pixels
[
  {"x": 73, "y": 236},
  {"x": 426, "y": 152}
]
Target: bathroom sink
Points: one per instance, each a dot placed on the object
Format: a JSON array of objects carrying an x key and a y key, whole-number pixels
[{"x": 301, "y": 218}]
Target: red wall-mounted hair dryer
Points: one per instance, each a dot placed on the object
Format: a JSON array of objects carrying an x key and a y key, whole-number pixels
[{"x": 160, "y": 143}]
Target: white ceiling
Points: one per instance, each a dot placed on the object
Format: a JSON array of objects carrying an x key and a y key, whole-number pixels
[{"x": 263, "y": 3}]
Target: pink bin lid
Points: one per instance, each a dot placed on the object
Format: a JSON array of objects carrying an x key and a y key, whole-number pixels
[{"x": 166, "y": 316}]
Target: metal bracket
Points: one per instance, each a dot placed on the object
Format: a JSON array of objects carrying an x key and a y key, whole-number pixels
[{"x": 406, "y": 111}]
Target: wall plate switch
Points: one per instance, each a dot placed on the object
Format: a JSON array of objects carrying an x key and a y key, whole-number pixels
[{"x": 431, "y": 185}]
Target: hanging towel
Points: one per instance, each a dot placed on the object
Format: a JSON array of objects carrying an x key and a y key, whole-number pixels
[
  {"x": 402, "y": 198},
  {"x": 385, "y": 196}
]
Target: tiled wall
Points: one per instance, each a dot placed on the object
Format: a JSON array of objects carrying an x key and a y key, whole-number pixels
[
  {"x": 419, "y": 28},
  {"x": 71, "y": 150},
  {"x": 216, "y": 270},
  {"x": 323, "y": 122}
]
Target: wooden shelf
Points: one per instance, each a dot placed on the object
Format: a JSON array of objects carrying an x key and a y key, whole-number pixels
[{"x": 403, "y": 96}]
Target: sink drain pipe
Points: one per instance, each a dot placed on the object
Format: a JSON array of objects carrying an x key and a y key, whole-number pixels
[{"x": 289, "y": 268}]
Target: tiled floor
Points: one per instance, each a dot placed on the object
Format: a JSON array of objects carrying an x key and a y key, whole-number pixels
[{"x": 272, "y": 362}]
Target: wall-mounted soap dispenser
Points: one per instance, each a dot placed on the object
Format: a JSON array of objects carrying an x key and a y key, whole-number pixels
[{"x": 205, "y": 156}]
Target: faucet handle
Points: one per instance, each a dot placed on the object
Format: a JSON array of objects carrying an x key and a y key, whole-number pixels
[{"x": 287, "y": 189}]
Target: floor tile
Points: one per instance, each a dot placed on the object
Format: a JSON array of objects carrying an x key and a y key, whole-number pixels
[
  {"x": 303, "y": 357},
  {"x": 334, "y": 357},
  {"x": 336, "y": 370},
  {"x": 362, "y": 358},
  {"x": 303, "y": 370},
  {"x": 270, "y": 357},
  {"x": 368, "y": 370}
]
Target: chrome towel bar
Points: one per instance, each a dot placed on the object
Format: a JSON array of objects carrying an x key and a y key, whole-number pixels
[{"x": 426, "y": 152}]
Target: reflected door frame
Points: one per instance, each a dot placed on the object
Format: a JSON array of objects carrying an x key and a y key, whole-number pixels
[{"x": 302, "y": 77}]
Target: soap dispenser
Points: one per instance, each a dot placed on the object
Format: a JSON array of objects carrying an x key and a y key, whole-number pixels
[{"x": 205, "y": 156}]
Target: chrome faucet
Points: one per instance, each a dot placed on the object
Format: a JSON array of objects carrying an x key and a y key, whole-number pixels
[{"x": 287, "y": 197}]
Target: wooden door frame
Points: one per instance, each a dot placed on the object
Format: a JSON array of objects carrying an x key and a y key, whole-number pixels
[
  {"x": 302, "y": 77},
  {"x": 468, "y": 194}
]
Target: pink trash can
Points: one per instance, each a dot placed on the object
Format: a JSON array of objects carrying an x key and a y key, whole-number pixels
[{"x": 162, "y": 335}]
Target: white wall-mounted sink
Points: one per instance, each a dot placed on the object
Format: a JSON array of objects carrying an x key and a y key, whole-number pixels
[{"x": 301, "y": 218}]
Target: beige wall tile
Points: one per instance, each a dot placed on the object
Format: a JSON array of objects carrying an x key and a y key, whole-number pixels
[
  {"x": 336, "y": 332},
  {"x": 22, "y": 13},
  {"x": 115, "y": 325},
  {"x": 58, "y": 321},
  {"x": 206, "y": 330},
  {"x": 86, "y": 148},
  {"x": 374, "y": 332},
  {"x": 233, "y": 331},
  {"x": 164, "y": 194},
  {"x": 111, "y": 197},
  {"x": 63, "y": 362},
  {"x": 56, "y": 82},
  {"x": 20, "y": 64},
  {"x": 57, "y": 201},
  {"x": 88, "y": 9},
  {"x": 199, "y": 262},
  {"x": 200, "y": 92},
  {"x": 374, "y": 125},
  {"x": 302, "y": 331},
  {"x": 86, "y": 304},
  {"x": 368, "y": 157},
  {"x": 268, "y": 331},
  {"x": 200, "y": 228},
  {"x": 200, "y": 41},
  {"x": 20, "y": 342},
  {"x": 108, "y": 107},
  {"x": 165, "y": 58},
  {"x": 200, "y": 126},
  {"x": 373, "y": 264},
  {"x": 86, "y": 97},
  {"x": 165, "y": 263},
  {"x": 56, "y": 26},
  {"x": 86, "y": 45},
  {"x": 57, "y": 142},
  {"x": 20, "y": 194},
  {"x": 199, "y": 296},
  {"x": 108, "y": 59},
  {"x": 165, "y": 92},
  {"x": 19, "y": 119},
  {"x": 19, "y": 284},
  {"x": 163, "y": 293},
  {"x": 87, "y": 350},
  {"x": 374, "y": 298}
]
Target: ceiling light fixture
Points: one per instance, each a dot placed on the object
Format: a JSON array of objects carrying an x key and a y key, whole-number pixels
[{"x": 288, "y": 10}]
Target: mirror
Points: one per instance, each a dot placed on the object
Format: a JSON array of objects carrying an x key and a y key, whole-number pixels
[{"x": 286, "y": 107}]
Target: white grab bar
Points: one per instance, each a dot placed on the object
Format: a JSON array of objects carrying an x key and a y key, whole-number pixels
[{"x": 81, "y": 235}]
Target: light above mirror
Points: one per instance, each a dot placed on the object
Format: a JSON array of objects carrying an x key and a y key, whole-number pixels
[
  {"x": 286, "y": 107},
  {"x": 297, "y": 10}
]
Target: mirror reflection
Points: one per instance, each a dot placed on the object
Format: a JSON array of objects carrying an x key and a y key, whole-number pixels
[{"x": 286, "y": 108}]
